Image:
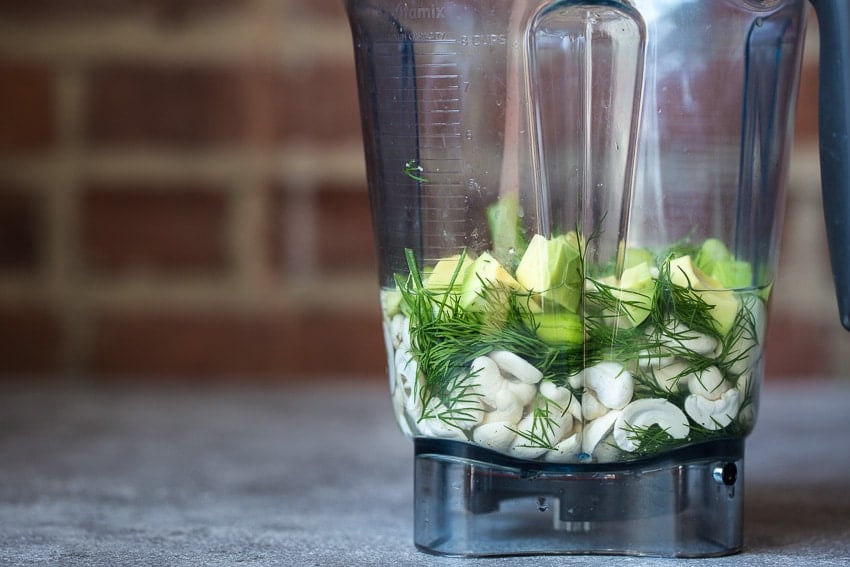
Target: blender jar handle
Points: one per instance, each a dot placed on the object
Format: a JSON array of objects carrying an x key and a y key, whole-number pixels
[{"x": 834, "y": 126}]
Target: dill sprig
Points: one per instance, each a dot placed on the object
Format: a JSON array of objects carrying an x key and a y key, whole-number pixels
[
  {"x": 744, "y": 332},
  {"x": 542, "y": 428},
  {"x": 678, "y": 303},
  {"x": 651, "y": 439},
  {"x": 447, "y": 337},
  {"x": 648, "y": 387}
]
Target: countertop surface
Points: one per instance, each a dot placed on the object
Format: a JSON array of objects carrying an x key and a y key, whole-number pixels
[{"x": 320, "y": 475}]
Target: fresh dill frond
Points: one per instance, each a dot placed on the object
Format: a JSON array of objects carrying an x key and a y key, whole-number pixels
[
  {"x": 542, "y": 428},
  {"x": 647, "y": 386},
  {"x": 651, "y": 439},
  {"x": 680, "y": 303},
  {"x": 744, "y": 332}
]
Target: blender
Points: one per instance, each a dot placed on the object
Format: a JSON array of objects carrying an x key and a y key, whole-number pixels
[{"x": 577, "y": 208}]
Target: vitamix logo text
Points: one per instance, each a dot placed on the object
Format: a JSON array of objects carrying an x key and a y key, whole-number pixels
[{"x": 432, "y": 12}]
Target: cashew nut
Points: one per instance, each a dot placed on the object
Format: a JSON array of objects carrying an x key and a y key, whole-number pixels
[
  {"x": 488, "y": 380},
  {"x": 596, "y": 430},
  {"x": 435, "y": 427},
  {"x": 562, "y": 397},
  {"x": 468, "y": 412},
  {"x": 672, "y": 377},
  {"x": 406, "y": 369},
  {"x": 714, "y": 414},
  {"x": 399, "y": 327},
  {"x": 612, "y": 384},
  {"x": 647, "y": 412},
  {"x": 678, "y": 336},
  {"x": 524, "y": 392},
  {"x": 708, "y": 383},
  {"x": 591, "y": 407},
  {"x": 557, "y": 394},
  {"x": 496, "y": 435},
  {"x": 566, "y": 450},
  {"x": 553, "y": 428},
  {"x": 507, "y": 409},
  {"x": 512, "y": 364}
]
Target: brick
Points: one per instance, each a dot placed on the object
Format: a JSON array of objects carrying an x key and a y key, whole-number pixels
[
  {"x": 207, "y": 106},
  {"x": 320, "y": 103},
  {"x": 31, "y": 340},
  {"x": 806, "y": 125},
  {"x": 345, "y": 237},
  {"x": 342, "y": 238},
  {"x": 26, "y": 107},
  {"x": 147, "y": 104},
  {"x": 165, "y": 230},
  {"x": 227, "y": 345},
  {"x": 21, "y": 225}
]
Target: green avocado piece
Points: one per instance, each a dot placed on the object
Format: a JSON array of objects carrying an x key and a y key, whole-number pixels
[
  {"x": 636, "y": 256},
  {"x": 449, "y": 274},
  {"x": 556, "y": 328},
  {"x": 712, "y": 252},
  {"x": 486, "y": 272},
  {"x": 733, "y": 274},
  {"x": 552, "y": 268},
  {"x": 724, "y": 304},
  {"x": 636, "y": 292}
]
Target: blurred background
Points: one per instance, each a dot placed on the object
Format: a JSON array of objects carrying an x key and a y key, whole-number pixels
[{"x": 182, "y": 198}]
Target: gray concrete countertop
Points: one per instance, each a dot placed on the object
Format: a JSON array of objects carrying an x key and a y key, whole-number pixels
[{"x": 319, "y": 475}]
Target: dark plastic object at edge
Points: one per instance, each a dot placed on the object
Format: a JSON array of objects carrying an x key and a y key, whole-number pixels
[{"x": 834, "y": 125}]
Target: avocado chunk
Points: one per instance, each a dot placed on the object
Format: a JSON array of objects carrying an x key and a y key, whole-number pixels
[
  {"x": 712, "y": 252},
  {"x": 636, "y": 256},
  {"x": 449, "y": 274},
  {"x": 733, "y": 274},
  {"x": 487, "y": 275},
  {"x": 715, "y": 260},
  {"x": 556, "y": 328},
  {"x": 552, "y": 268},
  {"x": 504, "y": 218},
  {"x": 722, "y": 302},
  {"x": 635, "y": 292}
]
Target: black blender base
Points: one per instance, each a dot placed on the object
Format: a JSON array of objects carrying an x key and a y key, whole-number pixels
[{"x": 470, "y": 501}]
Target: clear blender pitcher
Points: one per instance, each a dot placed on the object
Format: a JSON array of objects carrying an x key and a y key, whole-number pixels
[{"x": 577, "y": 207}]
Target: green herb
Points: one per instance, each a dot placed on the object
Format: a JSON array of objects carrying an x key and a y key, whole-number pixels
[
  {"x": 677, "y": 303},
  {"x": 542, "y": 428},
  {"x": 414, "y": 171},
  {"x": 446, "y": 338},
  {"x": 651, "y": 439},
  {"x": 744, "y": 332}
]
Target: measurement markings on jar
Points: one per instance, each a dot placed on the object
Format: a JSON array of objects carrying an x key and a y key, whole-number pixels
[{"x": 426, "y": 72}]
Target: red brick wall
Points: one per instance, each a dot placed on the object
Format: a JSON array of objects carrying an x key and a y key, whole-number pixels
[{"x": 182, "y": 196}]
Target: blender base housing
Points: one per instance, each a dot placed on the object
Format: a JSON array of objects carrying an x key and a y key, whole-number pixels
[{"x": 470, "y": 501}]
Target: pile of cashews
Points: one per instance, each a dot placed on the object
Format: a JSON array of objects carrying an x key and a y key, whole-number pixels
[{"x": 506, "y": 396}]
